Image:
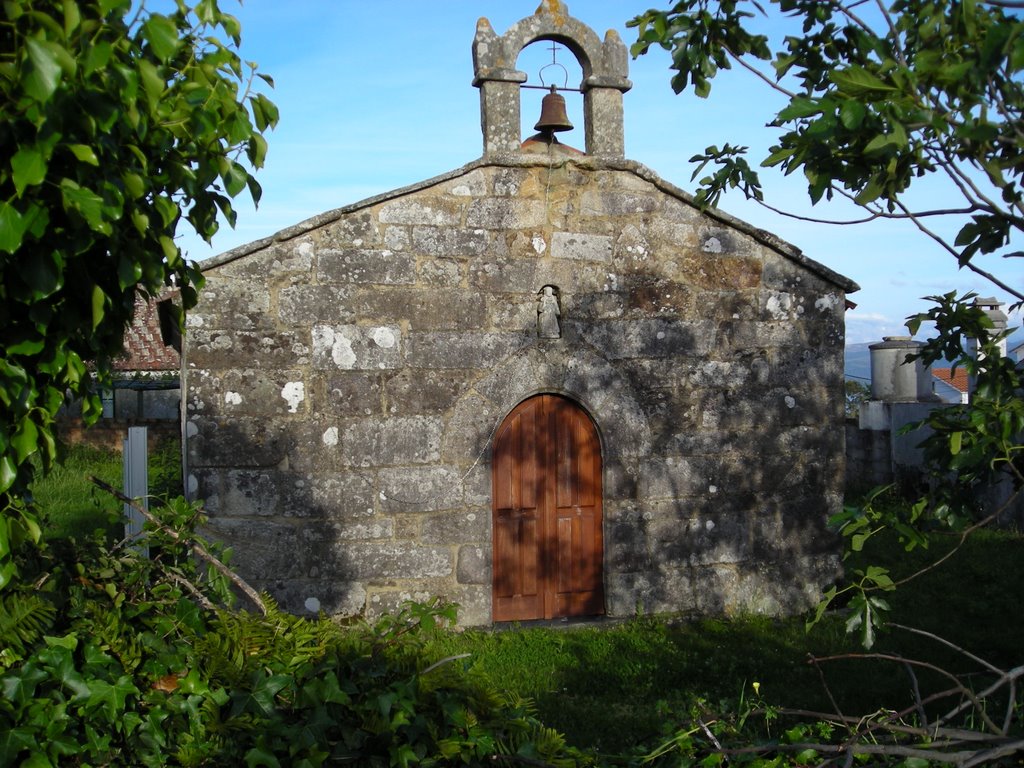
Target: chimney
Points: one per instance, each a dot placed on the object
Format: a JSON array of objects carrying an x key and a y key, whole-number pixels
[
  {"x": 893, "y": 379},
  {"x": 992, "y": 308}
]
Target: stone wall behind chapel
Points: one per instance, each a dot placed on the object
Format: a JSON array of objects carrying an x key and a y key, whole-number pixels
[{"x": 346, "y": 376}]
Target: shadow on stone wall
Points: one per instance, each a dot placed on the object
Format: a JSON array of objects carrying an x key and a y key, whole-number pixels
[
  {"x": 355, "y": 374},
  {"x": 287, "y": 532},
  {"x": 729, "y": 512},
  {"x": 719, "y": 477}
]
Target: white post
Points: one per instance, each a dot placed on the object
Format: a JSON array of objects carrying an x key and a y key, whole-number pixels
[{"x": 136, "y": 479}]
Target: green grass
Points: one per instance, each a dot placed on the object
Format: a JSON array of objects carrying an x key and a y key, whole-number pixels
[
  {"x": 612, "y": 686},
  {"x": 72, "y": 506},
  {"x": 608, "y": 687}
]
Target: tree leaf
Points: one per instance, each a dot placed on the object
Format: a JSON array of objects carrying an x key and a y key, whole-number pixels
[
  {"x": 97, "y": 57},
  {"x": 12, "y": 228},
  {"x": 234, "y": 178},
  {"x": 26, "y": 347},
  {"x": 72, "y": 16},
  {"x": 778, "y": 155},
  {"x": 43, "y": 275},
  {"x": 152, "y": 83},
  {"x": 28, "y": 168},
  {"x": 799, "y": 107},
  {"x": 87, "y": 203},
  {"x": 162, "y": 34},
  {"x": 42, "y": 76},
  {"x": 99, "y": 300},
  {"x": 134, "y": 185},
  {"x": 167, "y": 209},
  {"x": 877, "y": 144},
  {"x": 257, "y": 150},
  {"x": 264, "y": 112},
  {"x": 858, "y": 81},
  {"x": 84, "y": 153},
  {"x": 8, "y": 473},
  {"x": 170, "y": 249},
  {"x": 870, "y": 192},
  {"x": 851, "y": 114}
]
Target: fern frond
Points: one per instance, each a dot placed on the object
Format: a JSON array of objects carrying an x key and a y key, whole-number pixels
[
  {"x": 24, "y": 619},
  {"x": 243, "y": 642}
]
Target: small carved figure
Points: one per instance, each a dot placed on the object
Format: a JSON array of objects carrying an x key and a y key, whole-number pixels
[{"x": 548, "y": 312}]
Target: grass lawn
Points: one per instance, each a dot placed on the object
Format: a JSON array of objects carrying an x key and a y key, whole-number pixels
[
  {"x": 615, "y": 685},
  {"x": 72, "y": 506}
]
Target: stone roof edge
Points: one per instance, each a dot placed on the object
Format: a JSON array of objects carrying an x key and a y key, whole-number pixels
[
  {"x": 328, "y": 217},
  {"x": 764, "y": 237}
]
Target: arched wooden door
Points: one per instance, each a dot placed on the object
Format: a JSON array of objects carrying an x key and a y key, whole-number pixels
[{"x": 548, "y": 542}]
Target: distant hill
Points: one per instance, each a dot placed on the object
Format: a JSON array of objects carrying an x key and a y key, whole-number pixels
[
  {"x": 858, "y": 356},
  {"x": 858, "y": 362}
]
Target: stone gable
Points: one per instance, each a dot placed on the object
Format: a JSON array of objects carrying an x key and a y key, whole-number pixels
[{"x": 347, "y": 377}]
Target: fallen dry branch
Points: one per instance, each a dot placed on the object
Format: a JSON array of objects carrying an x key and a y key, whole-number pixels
[
  {"x": 887, "y": 732},
  {"x": 197, "y": 549}
]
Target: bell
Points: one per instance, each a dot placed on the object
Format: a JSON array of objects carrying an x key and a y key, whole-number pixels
[{"x": 552, "y": 114}]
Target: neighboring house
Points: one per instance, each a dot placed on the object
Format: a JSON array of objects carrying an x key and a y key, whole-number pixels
[
  {"x": 152, "y": 343},
  {"x": 544, "y": 384},
  {"x": 951, "y": 386},
  {"x": 1017, "y": 353},
  {"x": 884, "y": 445},
  {"x": 147, "y": 382}
]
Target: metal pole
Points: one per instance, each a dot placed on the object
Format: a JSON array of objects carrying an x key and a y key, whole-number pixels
[{"x": 136, "y": 479}]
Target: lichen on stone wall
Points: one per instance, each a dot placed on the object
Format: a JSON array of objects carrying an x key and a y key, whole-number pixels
[{"x": 345, "y": 385}]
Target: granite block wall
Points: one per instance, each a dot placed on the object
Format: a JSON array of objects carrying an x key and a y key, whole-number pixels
[{"x": 345, "y": 377}]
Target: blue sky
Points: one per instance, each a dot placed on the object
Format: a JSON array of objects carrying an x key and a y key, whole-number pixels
[{"x": 375, "y": 96}]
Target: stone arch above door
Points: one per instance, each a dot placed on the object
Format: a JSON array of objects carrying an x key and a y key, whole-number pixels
[{"x": 602, "y": 390}]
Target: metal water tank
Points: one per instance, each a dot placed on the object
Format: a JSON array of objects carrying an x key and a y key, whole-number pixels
[{"x": 893, "y": 379}]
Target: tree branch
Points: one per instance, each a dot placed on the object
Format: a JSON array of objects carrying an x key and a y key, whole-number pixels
[
  {"x": 773, "y": 84},
  {"x": 968, "y": 264},
  {"x": 1006, "y": 677},
  {"x": 948, "y": 644},
  {"x": 198, "y": 549},
  {"x": 963, "y": 539},
  {"x": 874, "y": 215},
  {"x": 958, "y": 687}
]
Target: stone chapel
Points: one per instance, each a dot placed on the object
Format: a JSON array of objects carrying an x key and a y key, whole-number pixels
[{"x": 542, "y": 385}]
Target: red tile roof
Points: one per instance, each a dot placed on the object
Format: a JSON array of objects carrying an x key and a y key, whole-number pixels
[
  {"x": 146, "y": 345},
  {"x": 956, "y": 378}
]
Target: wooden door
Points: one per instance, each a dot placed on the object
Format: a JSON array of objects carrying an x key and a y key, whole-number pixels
[{"x": 548, "y": 542}]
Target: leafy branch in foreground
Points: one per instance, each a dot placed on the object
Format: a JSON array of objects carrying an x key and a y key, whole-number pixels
[
  {"x": 113, "y": 658},
  {"x": 966, "y": 719},
  {"x": 878, "y": 97},
  {"x": 973, "y": 453},
  {"x": 118, "y": 125}
]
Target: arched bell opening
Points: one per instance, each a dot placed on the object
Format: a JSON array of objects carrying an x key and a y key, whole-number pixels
[
  {"x": 604, "y": 79},
  {"x": 544, "y": 68}
]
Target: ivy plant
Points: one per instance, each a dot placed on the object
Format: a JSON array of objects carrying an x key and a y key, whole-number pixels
[{"x": 118, "y": 127}]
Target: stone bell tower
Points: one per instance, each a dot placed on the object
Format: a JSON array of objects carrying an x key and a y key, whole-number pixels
[{"x": 605, "y": 69}]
